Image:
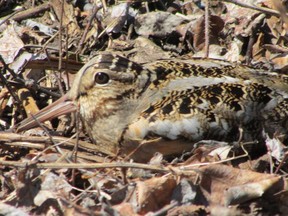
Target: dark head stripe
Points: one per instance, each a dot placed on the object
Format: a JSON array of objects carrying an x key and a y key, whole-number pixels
[{"x": 118, "y": 64}]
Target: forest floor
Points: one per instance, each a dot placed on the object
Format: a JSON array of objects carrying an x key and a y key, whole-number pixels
[{"x": 44, "y": 43}]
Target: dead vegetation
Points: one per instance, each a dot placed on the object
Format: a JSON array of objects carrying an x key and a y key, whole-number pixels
[{"x": 44, "y": 43}]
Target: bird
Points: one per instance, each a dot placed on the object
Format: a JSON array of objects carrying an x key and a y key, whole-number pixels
[{"x": 175, "y": 103}]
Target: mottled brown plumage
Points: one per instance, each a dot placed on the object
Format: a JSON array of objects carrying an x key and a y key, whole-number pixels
[{"x": 123, "y": 104}]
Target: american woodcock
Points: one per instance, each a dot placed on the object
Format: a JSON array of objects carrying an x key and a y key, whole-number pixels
[{"x": 180, "y": 101}]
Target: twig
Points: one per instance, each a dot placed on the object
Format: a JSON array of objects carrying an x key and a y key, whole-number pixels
[
  {"x": 249, "y": 52},
  {"x": 188, "y": 167},
  {"x": 161, "y": 169},
  {"x": 85, "y": 166},
  {"x": 10, "y": 16},
  {"x": 256, "y": 24},
  {"x": 253, "y": 7},
  {"x": 75, "y": 149},
  {"x": 282, "y": 162},
  {"x": 72, "y": 66},
  {"x": 60, "y": 35},
  {"x": 92, "y": 16},
  {"x": 207, "y": 26},
  {"x": 48, "y": 41},
  {"x": 14, "y": 194},
  {"x": 67, "y": 146},
  {"x": 55, "y": 145},
  {"x": 32, "y": 12},
  {"x": 165, "y": 209},
  {"x": 6, "y": 83}
]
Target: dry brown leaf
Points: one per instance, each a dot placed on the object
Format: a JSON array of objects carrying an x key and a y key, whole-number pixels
[
  {"x": 219, "y": 185},
  {"x": 275, "y": 26},
  {"x": 240, "y": 16},
  {"x": 147, "y": 149},
  {"x": 276, "y": 148},
  {"x": 52, "y": 186},
  {"x": 26, "y": 188},
  {"x": 152, "y": 194},
  {"x": 281, "y": 61},
  {"x": 148, "y": 24},
  {"x": 187, "y": 193},
  {"x": 198, "y": 31},
  {"x": 10, "y": 43},
  {"x": 68, "y": 16},
  {"x": 225, "y": 185},
  {"x": 280, "y": 6},
  {"x": 125, "y": 209},
  {"x": 258, "y": 49},
  {"x": 189, "y": 210}
]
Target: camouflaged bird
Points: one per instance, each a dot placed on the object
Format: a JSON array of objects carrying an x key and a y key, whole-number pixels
[{"x": 123, "y": 104}]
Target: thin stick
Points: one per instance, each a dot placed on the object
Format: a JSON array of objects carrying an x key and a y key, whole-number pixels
[
  {"x": 60, "y": 35},
  {"x": 10, "y": 16},
  {"x": 253, "y": 7},
  {"x": 84, "y": 165},
  {"x": 207, "y": 26},
  {"x": 26, "y": 14},
  {"x": 92, "y": 16}
]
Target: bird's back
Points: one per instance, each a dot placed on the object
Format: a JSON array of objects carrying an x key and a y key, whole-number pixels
[{"x": 195, "y": 99}]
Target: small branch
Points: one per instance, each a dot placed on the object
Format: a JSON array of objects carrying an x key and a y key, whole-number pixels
[
  {"x": 207, "y": 26},
  {"x": 253, "y": 7},
  {"x": 72, "y": 66},
  {"x": 6, "y": 83},
  {"x": 92, "y": 16},
  {"x": 249, "y": 52},
  {"x": 60, "y": 35},
  {"x": 31, "y": 12},
  {"x": 85, "y": 166},
  {"x": 10, "y": 16}
]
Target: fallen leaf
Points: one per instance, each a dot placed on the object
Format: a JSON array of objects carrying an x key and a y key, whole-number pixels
[{"x": 226, "y": 185}]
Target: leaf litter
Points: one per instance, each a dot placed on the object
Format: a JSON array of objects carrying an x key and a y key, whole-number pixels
[{"x": 42, "y": 46}]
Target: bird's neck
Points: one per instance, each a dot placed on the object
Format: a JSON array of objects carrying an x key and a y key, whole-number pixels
[{"x": 105, "y": 123}]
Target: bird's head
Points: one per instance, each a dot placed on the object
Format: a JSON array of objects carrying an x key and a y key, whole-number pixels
[{"x": 106, "y": 91}]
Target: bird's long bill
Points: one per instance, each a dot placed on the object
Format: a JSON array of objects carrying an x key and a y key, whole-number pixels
[{"x": 60, "y": 107}]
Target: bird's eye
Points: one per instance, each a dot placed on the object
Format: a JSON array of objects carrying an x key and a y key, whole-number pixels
[{"x": 101, "y": 78}]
